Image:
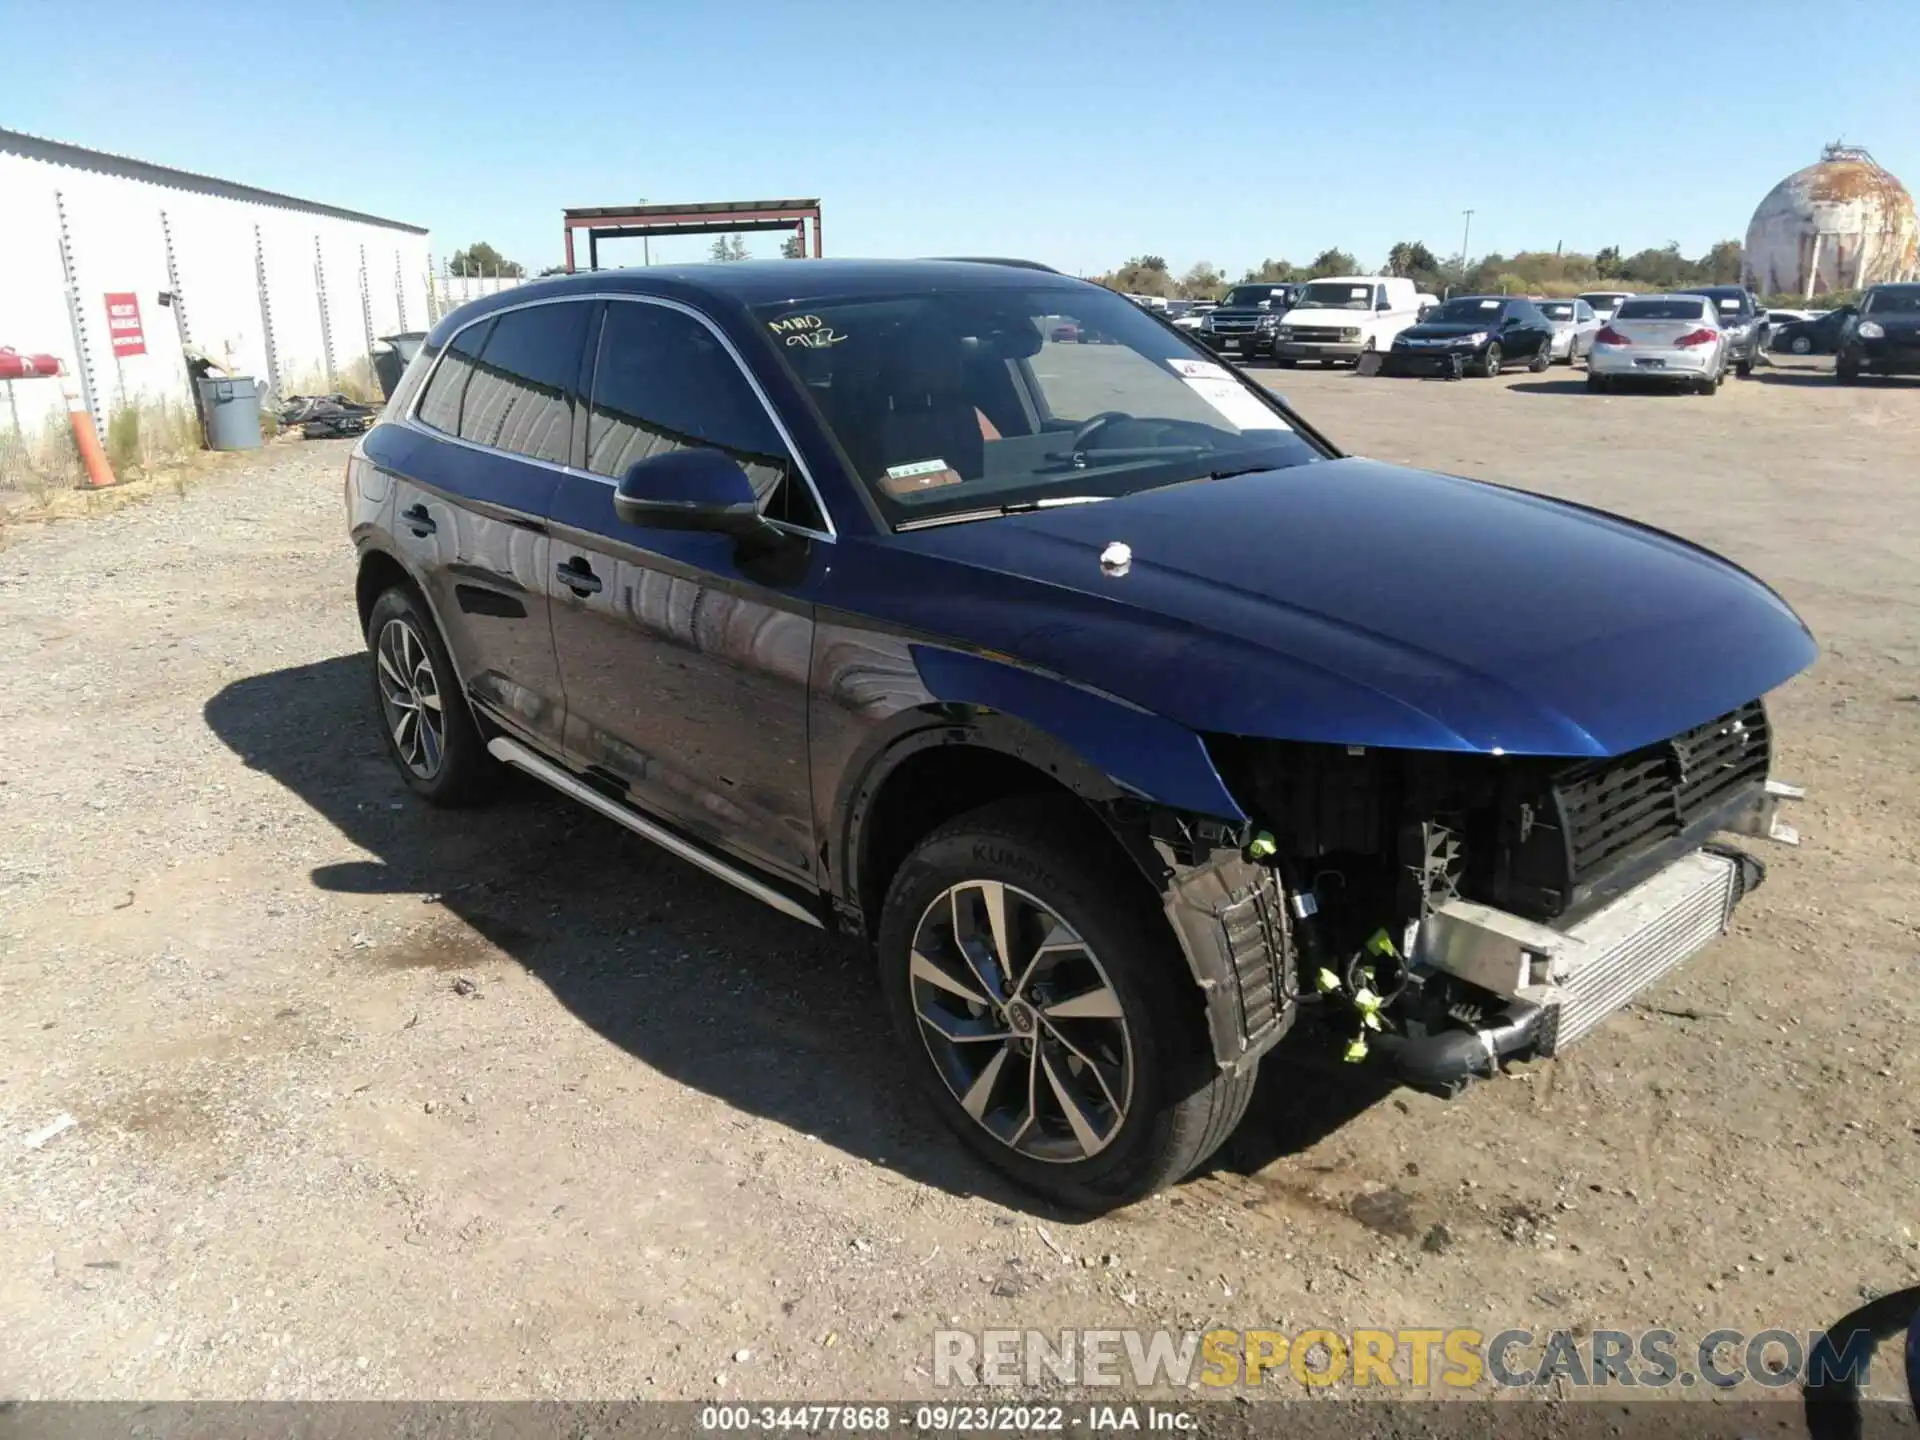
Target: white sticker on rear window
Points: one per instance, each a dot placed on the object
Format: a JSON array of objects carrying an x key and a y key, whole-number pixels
[
  {"x": 1489, "y": 304},
  {"x": 1729, "y": 304},
  {"x": 919, "y": 467},
  {"x": 1231, "y": 399},
  {"x": 1359, "y": 292}
]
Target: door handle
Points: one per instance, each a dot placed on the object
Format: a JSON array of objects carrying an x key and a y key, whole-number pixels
[
  {"x": 419, "y": 521},
  {"x": 578, "y": 577}
]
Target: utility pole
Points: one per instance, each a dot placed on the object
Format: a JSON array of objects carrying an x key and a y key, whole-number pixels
[{"x": 1466, "y": 233}]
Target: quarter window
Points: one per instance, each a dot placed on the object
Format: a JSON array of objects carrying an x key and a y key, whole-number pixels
[
  {"x": 508, "y": 383},
  {"x": 440, "y": 405},
  {"x": 662, "y": 382}
]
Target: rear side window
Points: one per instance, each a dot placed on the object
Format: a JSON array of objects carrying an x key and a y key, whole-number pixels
[{"x": 663, "y": 382}]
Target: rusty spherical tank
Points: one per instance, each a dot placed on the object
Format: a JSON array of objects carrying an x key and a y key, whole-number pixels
[{"x": 1842, "y": 224}]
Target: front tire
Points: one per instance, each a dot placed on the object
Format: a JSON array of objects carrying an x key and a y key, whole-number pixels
[
  {"x": 1846, "y": 371},
  {"x": 1490, "y": 362},
  {"x": 1046, "y": 1009},
  {"x": 429, "y": 731},
  {"x": 1800, "y": 345},
  {"x": 1542, "y": 358}
]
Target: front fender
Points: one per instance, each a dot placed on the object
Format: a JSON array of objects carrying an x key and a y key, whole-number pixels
[{"x": 1144, "y": 755}]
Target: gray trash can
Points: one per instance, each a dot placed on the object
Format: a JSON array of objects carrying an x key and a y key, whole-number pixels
[{"x": 231, "y": 408}]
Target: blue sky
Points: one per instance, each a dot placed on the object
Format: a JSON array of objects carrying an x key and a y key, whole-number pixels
[{"x": 1074, "y": 133}]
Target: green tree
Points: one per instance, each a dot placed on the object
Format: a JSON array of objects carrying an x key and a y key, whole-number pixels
[
  {"x": 727, "y": 248},
  {"x": 1411, "y": 258},
  {"x": 1332, "y": 262},
  {"x": 1606, "y": 263},
  {"x": 1723, "y": 264},
  {"x": 1278, "y": 272},
  {"x": 554, "y": 270},
  {"x": 1142, "y": 275},
  {"x": 482, "y": 259},
  {"x": 794, "y": 247},
  {"x": 1203, "y": 281}
]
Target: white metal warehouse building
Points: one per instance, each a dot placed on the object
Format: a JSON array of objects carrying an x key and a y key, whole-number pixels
[{"x": 291, "y": 291}]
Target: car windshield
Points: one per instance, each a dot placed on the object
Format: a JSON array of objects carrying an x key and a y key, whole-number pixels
[
  {"x": 1344, "y": 295},
  {"x": 1468, "y": 310},
  {"x": 1603, "y": 299},
  {"x": 1662, "y": 310},
  {"x": 1248, "y": 296},
  {"x": 1903, "y": 301},
  {"x": 962, "y": 401},
  {"x": 1557, "y": 309}
]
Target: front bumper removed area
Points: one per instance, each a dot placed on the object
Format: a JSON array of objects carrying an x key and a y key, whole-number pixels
[{"x": 1562, "y": 982}]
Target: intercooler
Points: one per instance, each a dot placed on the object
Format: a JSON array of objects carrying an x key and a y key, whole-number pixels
[
  {"x": 1614, "y": 955},
  {"x": 1584, "y": 973}
]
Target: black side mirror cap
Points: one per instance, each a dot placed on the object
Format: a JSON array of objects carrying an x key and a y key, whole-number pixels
[{"x": 691, "y": 489}]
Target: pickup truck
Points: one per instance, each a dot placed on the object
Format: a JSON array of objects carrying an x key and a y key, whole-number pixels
[
  {"x": 1337, "y": 321},
  {"x": 1242, "y": 325}
]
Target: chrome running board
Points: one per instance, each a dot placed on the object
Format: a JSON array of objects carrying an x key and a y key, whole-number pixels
[{"x": 513, "y": 753}]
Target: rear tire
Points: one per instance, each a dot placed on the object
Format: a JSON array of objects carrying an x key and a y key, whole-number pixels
[
  {"x": 1846, "y": 371},
  {"x": 1542, "y": 358},
  {"x": 1743, "y": 368},
  {"x": 429, "y": 731},
  {"x": 1156, "y": 1105},
  {"x": 1597, "y": 384},
  {"x": 1800, "y": 345}
]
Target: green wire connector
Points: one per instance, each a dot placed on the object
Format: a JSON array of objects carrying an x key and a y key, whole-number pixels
[
  {"x": 1356, "y": 1050},
  {"x": 1261, "y": 846}
]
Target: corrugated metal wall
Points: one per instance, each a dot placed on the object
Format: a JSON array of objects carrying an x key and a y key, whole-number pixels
[{"x": 222, "y": 247}]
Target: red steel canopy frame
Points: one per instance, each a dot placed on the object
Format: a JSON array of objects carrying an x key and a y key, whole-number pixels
[{"x": 720, "y": 217}]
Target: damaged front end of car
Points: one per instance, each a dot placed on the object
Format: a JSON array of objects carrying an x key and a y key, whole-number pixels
[{"x": 1440, "y": 912}]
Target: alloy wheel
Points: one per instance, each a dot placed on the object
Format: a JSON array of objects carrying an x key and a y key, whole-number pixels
[
  {"x": 1022, "y": 1021},
  {"x": 410, "y": 699}
]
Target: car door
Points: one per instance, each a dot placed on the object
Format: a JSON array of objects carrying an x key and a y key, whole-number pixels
[
  {"x": 474, "y": 477},
  {"x": 684, "y": 654}
]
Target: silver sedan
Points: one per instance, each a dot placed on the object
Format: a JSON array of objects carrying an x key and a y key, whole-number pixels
[
  {"x": 1672, "y": 339},
  {"x": 1574, "y": 326}
]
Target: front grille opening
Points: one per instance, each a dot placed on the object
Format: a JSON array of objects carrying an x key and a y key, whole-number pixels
[{"x": 1600, "y": 817}]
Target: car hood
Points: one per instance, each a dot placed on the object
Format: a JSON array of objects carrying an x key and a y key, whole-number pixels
[
  {"x": 1449, "y": 329},
  {"x": 1355, "y": 602}
]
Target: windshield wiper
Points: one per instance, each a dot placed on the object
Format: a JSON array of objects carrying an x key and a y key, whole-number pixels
[{"x": 1017, "y": 507}]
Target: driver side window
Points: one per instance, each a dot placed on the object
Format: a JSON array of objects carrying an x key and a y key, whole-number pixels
[{"x": 662, "y": 382}]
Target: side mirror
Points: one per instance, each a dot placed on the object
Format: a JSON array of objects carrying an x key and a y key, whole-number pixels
[{"x": 695, "y": 489}]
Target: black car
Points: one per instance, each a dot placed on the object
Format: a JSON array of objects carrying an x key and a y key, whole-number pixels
[
  {"x": 1130, "y": 725},
  {"x": 1480, "y": 334},
  {"x": 1241, "y": 326},
  {"x": 1818, "y": 336},
  {"x": 1741, "y": 317},
  {"x": 1883, "y": 338}
]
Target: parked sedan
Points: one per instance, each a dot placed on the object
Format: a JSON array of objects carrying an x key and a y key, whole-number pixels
[
  {"x": 1574, "y": 326},
  {"x": 1742, "y": 320},
  {"x": 1673, "y": 339},
  {"x": 1815, "y": 335},
  {"x": 1884, "y": 338},
  {"x": 1481, "y": 333}
]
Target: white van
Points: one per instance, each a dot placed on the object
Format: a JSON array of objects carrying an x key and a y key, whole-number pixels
[{"x": 1344, "y": 316}]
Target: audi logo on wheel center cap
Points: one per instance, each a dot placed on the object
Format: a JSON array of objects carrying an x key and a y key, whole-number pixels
[{"x": 1020, "y": 1017}]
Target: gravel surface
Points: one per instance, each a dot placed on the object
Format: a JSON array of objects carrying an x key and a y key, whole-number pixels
[{"x": 374, "y": 1101}]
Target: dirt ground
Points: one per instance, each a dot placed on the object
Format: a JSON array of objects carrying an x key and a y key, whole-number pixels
[{"x": 374, "y": 1101}]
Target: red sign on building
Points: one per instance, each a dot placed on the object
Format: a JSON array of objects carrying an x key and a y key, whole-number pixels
[{"x": 123, "y": 325}]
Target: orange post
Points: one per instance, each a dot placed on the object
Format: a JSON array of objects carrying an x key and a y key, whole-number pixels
[{"x": 99, "y": 472}]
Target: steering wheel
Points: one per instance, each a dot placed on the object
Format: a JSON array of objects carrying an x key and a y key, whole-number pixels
[{"x": 1093, "y": 427}]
